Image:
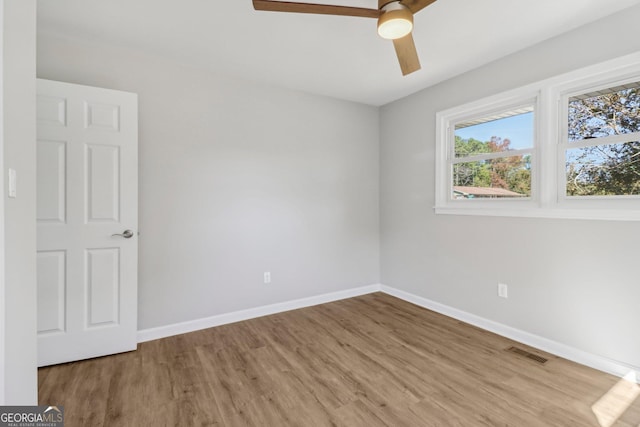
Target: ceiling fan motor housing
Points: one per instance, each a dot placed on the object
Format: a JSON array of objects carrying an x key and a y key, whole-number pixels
[{"x": 395, "y": 21}]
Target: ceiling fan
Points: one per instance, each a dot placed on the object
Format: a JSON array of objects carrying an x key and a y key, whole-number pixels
[{"x": 395, "y": 22}]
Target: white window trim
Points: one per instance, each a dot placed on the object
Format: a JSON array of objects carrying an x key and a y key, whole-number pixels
[
  {"x": 548, "y": 199},
  {"x": 445, "y": 153}
]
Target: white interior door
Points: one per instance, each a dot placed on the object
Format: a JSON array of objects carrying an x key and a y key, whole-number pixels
[{"x": 87, "y": 193}]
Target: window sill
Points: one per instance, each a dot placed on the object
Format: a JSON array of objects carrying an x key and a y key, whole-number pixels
[{"x": 588, "y": 214}]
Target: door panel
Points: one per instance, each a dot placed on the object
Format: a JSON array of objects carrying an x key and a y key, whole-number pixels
[
  {"x": 87, "y": 194},
  {"x": 101, "y": 116},
  {"x": 52, "y": 110},
  {"x": 103, "y": 184},
  {"x": 52, "y": 287},
  {"x": 103, "y": 284},
  {"x": 51, "y": 184}
]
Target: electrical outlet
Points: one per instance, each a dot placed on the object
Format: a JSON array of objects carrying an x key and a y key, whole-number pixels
[
  {"x": 267, "y": 277},
  {"x": 503, "y": 290}
]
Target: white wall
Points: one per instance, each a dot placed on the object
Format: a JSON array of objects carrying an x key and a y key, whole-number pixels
[
  {"x": 237, "y": 179},
  {"x": 2, "y": 241},
  {"x": 18, "y": 137},
  {"x": 571, "y": 281}
]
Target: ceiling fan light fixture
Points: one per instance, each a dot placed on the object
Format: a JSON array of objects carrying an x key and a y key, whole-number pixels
[{"x": 395, "y": 22}]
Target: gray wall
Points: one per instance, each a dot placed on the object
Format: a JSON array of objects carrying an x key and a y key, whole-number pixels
[
  {"x": 18, "y": 141},
  {"x": 572, "y": 281},
  {"x": 237, "y": 179}
]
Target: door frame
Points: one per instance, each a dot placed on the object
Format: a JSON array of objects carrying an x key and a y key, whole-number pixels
[
  {"x": 2, "y": 241},
  {"x": 18, "y": 348}
]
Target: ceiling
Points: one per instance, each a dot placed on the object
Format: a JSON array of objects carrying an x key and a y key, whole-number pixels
[{"x": 336, "y": 56}]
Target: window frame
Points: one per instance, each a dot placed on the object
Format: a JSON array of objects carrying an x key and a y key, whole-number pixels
[
  {"x": 599, "y": 202},
  {"x": 548, "y": 164},
  {"x": 447, "y": 153}
]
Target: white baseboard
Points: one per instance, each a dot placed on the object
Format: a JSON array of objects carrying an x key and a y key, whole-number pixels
[
  {"x": 237, "y": 316},
  {"x": 570, "y": 353},
  {"x": 600, "y": 363}
]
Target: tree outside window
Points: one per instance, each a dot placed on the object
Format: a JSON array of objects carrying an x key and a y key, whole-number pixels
[{"x": 603, "y": 158}]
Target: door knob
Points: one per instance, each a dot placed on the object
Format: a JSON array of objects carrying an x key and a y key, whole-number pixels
[{"x": 127, "y": 234}]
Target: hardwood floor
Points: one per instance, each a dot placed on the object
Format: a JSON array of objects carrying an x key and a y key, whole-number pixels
[{"x": 368, "y": 361}]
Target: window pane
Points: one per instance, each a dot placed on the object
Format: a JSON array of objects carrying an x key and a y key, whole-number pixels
[
  {"x": 604, "y": 170},
  {"x": 506, "y": 177},
  {"x": 512, "y": 130},
  {"x": 610, "y": 112}
]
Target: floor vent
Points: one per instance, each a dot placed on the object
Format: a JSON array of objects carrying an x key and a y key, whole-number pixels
[{"x": 527, "y": 354}]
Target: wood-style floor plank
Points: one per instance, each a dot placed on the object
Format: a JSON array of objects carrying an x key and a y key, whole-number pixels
[{"x": 368, "y": 361}]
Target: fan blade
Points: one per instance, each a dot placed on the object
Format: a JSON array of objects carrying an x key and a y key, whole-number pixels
[
  {"x": 407, "y": 54},
  {"x": 323, "y": 9},
  {"x": 417, "y": 5}
]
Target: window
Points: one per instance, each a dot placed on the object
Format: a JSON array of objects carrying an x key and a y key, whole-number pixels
[
  {"x": 491, "y": 155},
  {"x": 567, "y": 147},
  {"x": 602, "y": 142},
  {"x": 487, "y": 155}
]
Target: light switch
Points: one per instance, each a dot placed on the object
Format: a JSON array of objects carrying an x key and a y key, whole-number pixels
[{"x": 12, "y": 183}]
